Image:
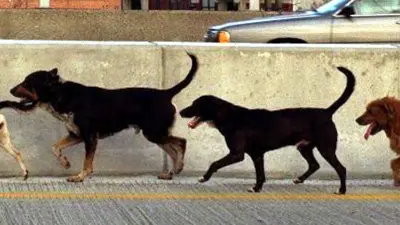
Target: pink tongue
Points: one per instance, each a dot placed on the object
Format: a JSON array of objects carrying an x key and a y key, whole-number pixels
[
  {"x": 366, "y": 135},
  {"x": 193, "y": 123}
]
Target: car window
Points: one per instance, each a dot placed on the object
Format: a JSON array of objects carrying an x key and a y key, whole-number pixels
[
  {"x": 368, "y": 7},
  {"x": 332, "y": 6}
]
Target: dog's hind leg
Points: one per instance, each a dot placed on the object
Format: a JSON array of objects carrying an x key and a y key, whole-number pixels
[
  {"x": 178, "y": 145},
  {"x": 9, "y": 147},
  {"x": 167, "y": 175},
  {"x": 63, "y": 143},
  {"x": 307, "y": 152},
  {"x": 175, "y": 147},
  {"x": 90, "y": 148},
  {"x": 326, "y": 143},
  {"x": 330, "y": 156}
]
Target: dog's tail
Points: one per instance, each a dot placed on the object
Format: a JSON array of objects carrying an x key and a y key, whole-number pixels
[
  {"x": 351, "y": 82},
  {"x": 185, "y": 82}
]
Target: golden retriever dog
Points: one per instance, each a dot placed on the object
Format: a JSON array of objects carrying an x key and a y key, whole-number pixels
[
  {"x": 384, "y": 114},
  {"x": 6, "y": 144}
]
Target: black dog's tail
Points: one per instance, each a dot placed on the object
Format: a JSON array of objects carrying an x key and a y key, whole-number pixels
[
  {"x": 185, "y": 82},
  {"x": 351, "y": 82}
]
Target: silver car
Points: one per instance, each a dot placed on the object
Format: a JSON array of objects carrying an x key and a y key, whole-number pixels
[{"x": 338, "y": 21}]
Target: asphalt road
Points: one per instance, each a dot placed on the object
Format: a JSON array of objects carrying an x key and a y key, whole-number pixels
[{"x": 145, "y": 200}]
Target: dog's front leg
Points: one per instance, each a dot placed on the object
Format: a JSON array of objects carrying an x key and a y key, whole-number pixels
[
  {"x": 229, "y": 159},
  {"x": 90, "y": 148},
  {"x": 258, "y": 161},
  {"x": 395, "y": 166},
  {"x": 63, "y": 143},
  {"x": 9, "y": 147}
]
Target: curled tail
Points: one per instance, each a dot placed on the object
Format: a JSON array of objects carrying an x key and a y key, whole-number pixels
[
  {"x": 185, "y": 82},
  {"x": 351, "y": 82}
]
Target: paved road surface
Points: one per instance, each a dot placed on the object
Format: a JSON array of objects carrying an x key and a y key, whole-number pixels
[{"x": 145, "y": 200}]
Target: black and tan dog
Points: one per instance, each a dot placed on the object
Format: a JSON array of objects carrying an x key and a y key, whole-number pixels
[
  {"x": 256, "y": 131},
  {"x": 92, "y": 113}
]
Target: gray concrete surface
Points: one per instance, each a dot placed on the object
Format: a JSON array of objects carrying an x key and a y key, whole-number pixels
[
  {"x": 143, "y": 200},
  {"x": 262, "y": 76}
]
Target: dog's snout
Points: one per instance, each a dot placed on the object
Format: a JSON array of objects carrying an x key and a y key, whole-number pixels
[
  {"x": 21, "y": 92},
  {"x": 186, "y": 112},
  {"x": 14, "y": 90},
  {"x": 17, "y": 90},
  {"x": 360, "y": 120}
]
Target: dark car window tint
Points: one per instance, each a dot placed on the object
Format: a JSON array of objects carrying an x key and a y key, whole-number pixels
[{"x": 332, "y": 6}]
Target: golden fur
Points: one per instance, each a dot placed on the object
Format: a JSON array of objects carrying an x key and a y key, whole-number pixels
[
  {"x": 384, "y": 114},
  {"x": 6, "y": 144}
]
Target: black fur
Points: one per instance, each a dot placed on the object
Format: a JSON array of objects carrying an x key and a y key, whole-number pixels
[{"x": 256, "y": 131}]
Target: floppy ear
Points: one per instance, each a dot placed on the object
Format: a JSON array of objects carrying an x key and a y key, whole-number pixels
[
  {"x": 54, "y": 72},
  {"x": 389, "y": 109}
]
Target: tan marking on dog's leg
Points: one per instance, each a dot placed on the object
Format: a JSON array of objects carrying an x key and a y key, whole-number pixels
[
  {"x": 87, "y": 169},
  {"x": 63, "y": 143},
  {"x": 395, "y": 165},
  {"x": 178, "y": 145},
  {"x": 167, "y": 175},
  {"x": 17, "y": 156},
  {"x": 87, "y": 164}
]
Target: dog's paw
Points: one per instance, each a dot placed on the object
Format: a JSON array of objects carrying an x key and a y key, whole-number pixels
[
  {"x": 179, "y": 168},
  {"x": 165, "y": 176},
  {"x": 25, "y": 174},
  {"x": 65, "y": 163},
  {"x": 396, "y": 184},
  {"x": 298, "y": 181},
  {"x": 253, "y": 190},
  {"x": 339, "y": 192},
  {"x": 202, "y": 180},
  {"x": 75, "y": 179}
]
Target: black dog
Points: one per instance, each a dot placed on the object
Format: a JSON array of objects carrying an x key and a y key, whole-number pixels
[
  {"x": 256, "y": 131},
  {"x": 92, "y": 113}
]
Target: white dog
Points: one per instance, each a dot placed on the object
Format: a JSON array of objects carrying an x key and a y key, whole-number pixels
[{"x": 6, "y": 144}]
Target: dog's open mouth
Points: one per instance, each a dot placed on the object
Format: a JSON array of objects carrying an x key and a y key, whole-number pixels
[
  {"x": 26, "y": 96},
  {"x": 196, "y": 121},
  {"x": 373, "y": 128},
  {"x": 26, "y": 101}
]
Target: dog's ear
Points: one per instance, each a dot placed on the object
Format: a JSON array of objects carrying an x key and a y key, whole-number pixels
[
  {"x": 389, "y": 109},
  {"x": 54, "y": 72}
]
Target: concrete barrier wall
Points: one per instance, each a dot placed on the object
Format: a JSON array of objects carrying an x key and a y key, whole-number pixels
[
  {"x": 255, "y": 76},
  {"x": 132, "y": 25}
]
